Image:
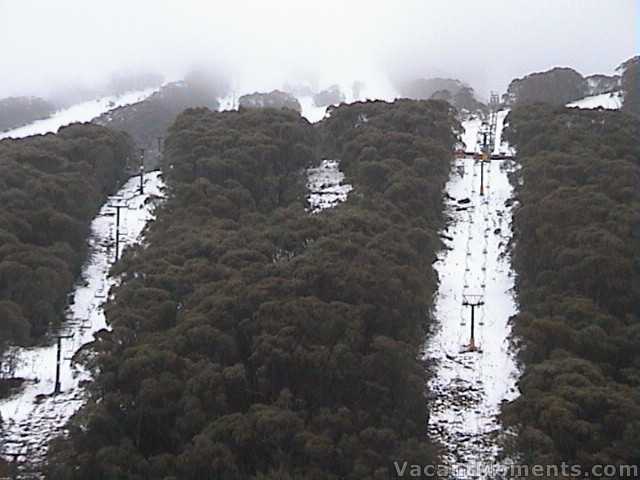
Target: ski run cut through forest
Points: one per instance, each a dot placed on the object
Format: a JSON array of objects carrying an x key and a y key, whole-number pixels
[
  {"x": 35, "y": 415},
  {"x": 469, "y": 354},
  {"x": 470, "y": 381}
]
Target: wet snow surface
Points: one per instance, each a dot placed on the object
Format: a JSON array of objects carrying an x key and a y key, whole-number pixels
[
  {"x": 82, "y": 112},
  {"x": 467, "y": 388},
  {"x": 325, "y": 186},
  {"x": 609, "y": 101},
  {"x": 33, "y": 416}
]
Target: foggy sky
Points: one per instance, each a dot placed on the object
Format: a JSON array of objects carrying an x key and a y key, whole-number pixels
[{"x": 260, "y": 44}]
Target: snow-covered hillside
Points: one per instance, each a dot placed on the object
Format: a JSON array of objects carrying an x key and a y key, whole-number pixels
[
  {"x": 609, "y": 101},
  {"x": 468, "y": 387},
  {"x": 33, "y": 415},
  {"x": 82, "y": 112}
]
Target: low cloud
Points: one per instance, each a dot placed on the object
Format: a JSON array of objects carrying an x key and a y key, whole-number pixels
[{"x": 260, "y": 45}]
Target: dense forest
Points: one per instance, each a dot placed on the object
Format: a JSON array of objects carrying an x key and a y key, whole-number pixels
[
  {"x": 50, "y": 189},
  {"x": 557, "y": 86},
  {"x": 560, "y": 86},
  {"x": 576, "y": 253},
  {"x": 631, "y": 85},
  {"x": 147, "y": 121},
  {"x": 18, "y": 111},
  {"x": 252, "y": 339}
]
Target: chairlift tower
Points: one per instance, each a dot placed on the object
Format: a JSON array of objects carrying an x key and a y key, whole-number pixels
[
  {"x": 473, "y": 301},
  {"x": 118, "y": 207},
  {"x": 57, "y": 387},
  {"x": 487, "y": 135},
  {"x": 141, "y": 171}
]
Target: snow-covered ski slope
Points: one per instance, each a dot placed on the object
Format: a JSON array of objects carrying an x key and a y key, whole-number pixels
[
  {"x": 82, "y": 112},
  {"x": 609, "y": 101},
  {"x": 325, "y": 186},
  {"x": 471, "y": 139},
  {"x": 467, "y": 388},
  {"x": 33, "y": 416},
  {"x": 501, "y": 146}
]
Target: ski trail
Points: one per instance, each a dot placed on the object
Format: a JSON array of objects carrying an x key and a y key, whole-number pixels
[
  {"x": 467, "y": 388},
  {"x": 81, "y": 112},
  {"x": 33, "y": 416},
  {"x": 608, "y": 101}
]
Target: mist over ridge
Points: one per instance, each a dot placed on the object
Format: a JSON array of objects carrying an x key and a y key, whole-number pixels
[{"x": 54, "y": 47}]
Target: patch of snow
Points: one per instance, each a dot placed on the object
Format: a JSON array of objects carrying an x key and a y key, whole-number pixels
[
  {"x": 230, "y": 102},
  {"x": 33, "y": 416},
  {"x": 470, "y": 136},
  {"x": 608, "y": 101},
  {"x": 310, "y": 111},
  {"x": 501, "y": 146},
  {"x": 82, "y": 112},
  {"x": 325, "y": 186},
  {"x": 467, "y": 388}
]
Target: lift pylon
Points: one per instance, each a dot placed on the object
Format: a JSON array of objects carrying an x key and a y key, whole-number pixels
[{"x": 473, "y": 301}]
